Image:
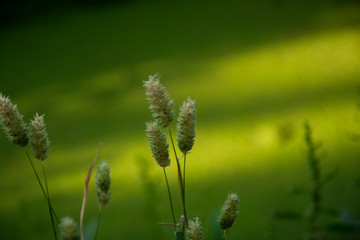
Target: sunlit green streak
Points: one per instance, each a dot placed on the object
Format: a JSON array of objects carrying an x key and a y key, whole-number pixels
[{"x": 247, "y": 140}]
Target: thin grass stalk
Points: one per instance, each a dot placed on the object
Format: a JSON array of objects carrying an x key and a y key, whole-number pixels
[
  {"x": 184, "y": 181},
  {"x": 48, "y": 200},
  {"x": 98, "y": 222},
  {"x": 86, "y": 185},
  {"x": 179, "y": 179},
  {"x": 171, "y": 204},
  {"x": 40, "y": 184},
  {"x": 316, "y": 197},
  {"x": 225, "y": 237}
]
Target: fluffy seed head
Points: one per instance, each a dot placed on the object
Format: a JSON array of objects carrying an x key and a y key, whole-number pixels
[
  {"x": 12, "y": 122},
  {"x": 194, "y": 231},
  {"x": 158, "y": 144},
  {"x": 186, "y": 126},
  {"x": 68, "y": 229},
  {"x": 103, "y": 182},
  {"x": 39, "y": 140},
  {"x": 229, "y": 211},
  {"x": 161, "y": 106}
]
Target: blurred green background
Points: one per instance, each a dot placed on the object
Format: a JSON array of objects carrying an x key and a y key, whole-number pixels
[{"x": 257, "y": 69}]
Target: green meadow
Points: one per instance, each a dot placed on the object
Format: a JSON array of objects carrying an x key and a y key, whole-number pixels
[{"x": 257, "y": 69}]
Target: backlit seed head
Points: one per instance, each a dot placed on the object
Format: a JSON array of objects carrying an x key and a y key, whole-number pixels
[
  {"x": 194, "y": 231},
  {"x": 39, "y": 140},
  {"x": 186, "y": 126},
  {"x": 158, "y": 144},
  {"x": 103, "y": 182},
  {"x": 229, "y": 211},
  {"x": 12, "y": 122},
  {"x": 161, "y": 106},
  {"x": 69, "y": 229}
]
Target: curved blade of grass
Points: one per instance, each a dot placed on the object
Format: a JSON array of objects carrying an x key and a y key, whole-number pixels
[{"x": 87, "y": 180}]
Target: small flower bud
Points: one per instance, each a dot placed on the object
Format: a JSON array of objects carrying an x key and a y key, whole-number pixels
[
  {"x": 194, "y": 231},
  {"x": 186, "y": 126},
  {"x": 103, "y": 182},
  {"x": 161, "y": 106},
  {"x": 39, "y": 140},
  {"x": 69, "y": 229},
  {"x": 229, "y": 211},
  {"x": 158, "y": 144},
  {"x": 12, "y": 122}
]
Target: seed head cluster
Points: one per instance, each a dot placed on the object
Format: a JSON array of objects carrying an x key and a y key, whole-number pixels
[
  {"x": 194, "y": 231},
  {"x": 103, "y": 182},
  {"x": 161, "y": 106},
  {"x": 69, "y": 229},
  {"x": 229, "y": 211},
  {"x": 186, "y": 126},
  {"x": 39, "y": 140},
  {"x": 12, "y": 122},
  {"x": 158, "y": 144}
]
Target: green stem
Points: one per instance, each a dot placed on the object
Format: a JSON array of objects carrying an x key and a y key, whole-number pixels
[
  {"x": 98, "y": 223},
  {"x": 41, "y": 186},
  {"x": 314, "y": 161},
  {"x": 49, "y": 204},
  {"x": 225, "y": 236},
  {"x": 171, "y": 204},
  {"x": 179, "y": 178},
  {"x": 184, "y": 181},
  {"x": 172, "y": 142},
  {"x": 184, "y": 173}
]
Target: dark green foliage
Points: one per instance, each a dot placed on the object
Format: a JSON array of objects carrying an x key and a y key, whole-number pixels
[
  {"x": 315, "y": 231},
  {"x": 288, "y": 215},
  {"x": 179, "y": 236},
  {"x": 341, "y": 227}
]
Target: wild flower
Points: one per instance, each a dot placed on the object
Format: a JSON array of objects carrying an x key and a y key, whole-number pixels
[
  {"x": 39, "y": 140},
  {"x": 161, "y": 106},
  {"x": 158, "y": 144},
  {"x": 12, "y": 122},
  {"x": 103, "y": 182},
  {"x": 229, "y": 211},
  {"x": 194, "y": 231},
  {"x": 186, "y": 126},
  {"x": 69, "y": 229}
]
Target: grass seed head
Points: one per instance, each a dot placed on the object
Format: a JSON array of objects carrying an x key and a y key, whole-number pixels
[
  {"x": 12, "y": 122},
  {"x": 186, "y": 126},
  {"x": 39, "y": 140},
  {"x": 194, "y": 231},
  {"x": 161, "y": 106},
  {"x": 158, "y": 144},
  {"x": 103, "y": 182},
  {"x": 69, "y": 229},
  {"x": 229, "y": 211}
]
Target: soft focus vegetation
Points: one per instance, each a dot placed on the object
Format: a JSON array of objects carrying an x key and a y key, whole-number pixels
[{"x": 257, "y": 69}]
